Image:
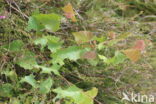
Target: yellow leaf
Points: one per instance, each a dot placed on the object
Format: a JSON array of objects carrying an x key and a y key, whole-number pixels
[
  {"x": 69, "y": 12},
  {"x": 132, "y": 54},
  {"x": 92, "y": 93}
]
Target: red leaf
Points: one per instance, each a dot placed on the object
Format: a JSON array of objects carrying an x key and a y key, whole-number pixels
[
  {"x": 90, "y": 55},
  {"x": 140, "y": 45}
]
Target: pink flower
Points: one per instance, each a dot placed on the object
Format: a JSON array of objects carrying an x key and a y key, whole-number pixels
[{"x": 2, "y": 17}]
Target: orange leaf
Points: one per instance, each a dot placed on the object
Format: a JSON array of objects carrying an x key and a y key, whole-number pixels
[
  {"x": 140, "y": 45},
  {"x": 69, "y": 12},
  {"x": 132, "y": 54}
]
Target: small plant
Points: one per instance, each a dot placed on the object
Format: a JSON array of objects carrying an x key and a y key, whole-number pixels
[{"x": 42, "y": 77}]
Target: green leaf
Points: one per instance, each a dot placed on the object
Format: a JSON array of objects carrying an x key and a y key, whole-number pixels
[
  {"x": 100, "y": 39},
  {"x": 101, "y": 46},
  {"x": 27, "y": 60},
  {"x": 83, "y": 36},
  {"x": 93, "y": 62},
  {"x": 6, "y": 90},
  {"x": 45, "y": 86},
  {"x": 14, "y": 46},
  {"x": 114, "y": 41},
  {"x": 14, "y": 101},
  {"x": 71, "y": 53},
  {"x": 78, "y": 95},
  {"x": 34, "y": 24},
  {"x": 55, "y": 69},
  {"x": 30, "y": 80},
  {"x": 117, "y": 59},
  {"x": 52, "y": 42},
  {"x": 105, "y": 59},
  {"x": 11, "y": 74},
  {"x": 41, "y": 41},
  {"x": 40, "y": 22}
]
